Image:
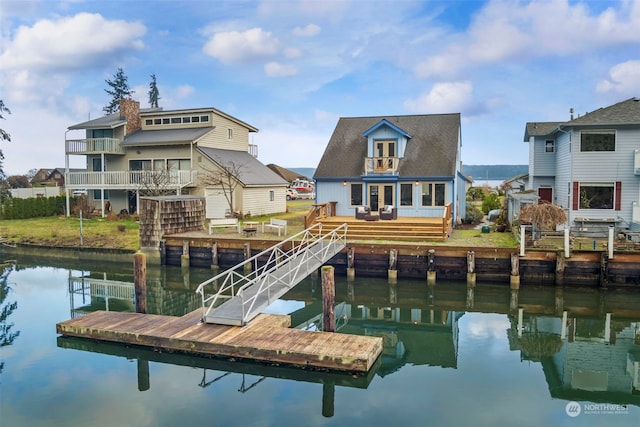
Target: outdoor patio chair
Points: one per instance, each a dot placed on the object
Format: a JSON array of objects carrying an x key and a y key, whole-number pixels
[
  {"x": 388, "y": 212},
  {"x": 362, "y": 211}
]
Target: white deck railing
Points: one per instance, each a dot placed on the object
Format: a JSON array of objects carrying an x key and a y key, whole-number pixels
[
  {"x": 93, "y": 146},
  {"x": 130, "y": 179}
]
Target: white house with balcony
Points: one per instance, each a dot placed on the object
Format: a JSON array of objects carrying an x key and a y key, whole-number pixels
[
  {"x": 137, "y": 152},
  {"x": 590, "y": 166},
  {"x": 411, "y": 163}
]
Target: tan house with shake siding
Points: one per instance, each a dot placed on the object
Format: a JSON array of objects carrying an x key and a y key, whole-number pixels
[{"x": 138, "y": 152}]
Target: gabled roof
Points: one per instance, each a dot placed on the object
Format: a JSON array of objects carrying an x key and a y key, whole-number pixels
[
  {"x": 385, "y": 122},
  {"x": 623, "y": 113},
  {"x": 540, "y": 129},
  {"x": 165, "y": 136},
  {"x": 284, "y": 173},
  {"x": 431, "y": 151},
  {"x": 251, "y": 172}
]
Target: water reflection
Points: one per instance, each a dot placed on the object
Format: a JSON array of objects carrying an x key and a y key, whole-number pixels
[
  {"x": 587, "y": 341},
  {"x": 7, "y": 333}
]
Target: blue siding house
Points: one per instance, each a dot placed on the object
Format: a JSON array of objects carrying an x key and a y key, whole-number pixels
[
  {"x": 590, "y": 166},
  {"x": 409, "y": 162}
]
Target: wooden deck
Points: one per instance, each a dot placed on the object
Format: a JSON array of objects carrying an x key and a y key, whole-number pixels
[
  {"x": 267, "y": 338},
  {"x": 407, "y": 229}
]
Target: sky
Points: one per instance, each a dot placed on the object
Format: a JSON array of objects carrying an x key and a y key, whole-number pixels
[{"x": 293, "y": 68}]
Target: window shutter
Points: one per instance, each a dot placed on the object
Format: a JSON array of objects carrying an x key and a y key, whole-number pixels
[
  {"x": 576, "y": 195},
  {"x": 618, "y": 194}
]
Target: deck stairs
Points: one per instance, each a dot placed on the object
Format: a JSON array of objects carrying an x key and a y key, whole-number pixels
[
  {"x": 240, "y": 293},
  {"x": 401, "y": 229}
]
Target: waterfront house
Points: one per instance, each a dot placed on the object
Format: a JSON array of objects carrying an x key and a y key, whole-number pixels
[
  {"x": 411, "y": 163},
  {"x": 590, "y": 166},
  {"x": 199, "y": 152}
]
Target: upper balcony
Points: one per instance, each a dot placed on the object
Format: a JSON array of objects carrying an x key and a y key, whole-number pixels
[
  {"x": 93, "y": 146},
  {"x": 381, "y": 165},
  {"x": 131, "y": 180}
]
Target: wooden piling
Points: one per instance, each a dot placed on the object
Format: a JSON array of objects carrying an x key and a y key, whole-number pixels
[
  {"x": 140, "y": 281},
  {"x": 604, "y": 270},
  {"x": 215, "y": 260},
  {"x": 143, "y": 375},
  {"x": 431, "y": 267},
  {"x": 471, "y": 268},
  {"x": 514, "y": 279},
  {"x": 184, "y": 259},
  {"x": 560, "y": 265},
  {"x": 328, "y": 299},
  {"x": 247, "y": 254},
  {"x": 351, "y": 271},
  {"x": 392, "y": 272},
  {"x": 328, "y": 399}
]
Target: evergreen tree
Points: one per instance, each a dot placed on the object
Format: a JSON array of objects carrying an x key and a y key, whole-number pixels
[
  {"x": 119, "y": 89},
  {"x": 154, "y": 93}
]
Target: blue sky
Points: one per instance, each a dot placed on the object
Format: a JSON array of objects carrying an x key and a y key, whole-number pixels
[{"x": 292, "y": 68}]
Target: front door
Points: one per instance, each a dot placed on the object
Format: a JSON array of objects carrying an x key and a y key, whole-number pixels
[
  {"x": 380, "y": 195},
  {"x": 545, "y": 194}
]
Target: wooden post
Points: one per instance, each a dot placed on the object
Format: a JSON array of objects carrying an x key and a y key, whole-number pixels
[
  {"x": 140, "y": 281},
  {"x": 351, "y": 271},
  {"x": 215, "y": 261},
  {"x": 515, "y": 272},
  {"x": 523, "y": 242},
  {"x": 471, "y": 268},
  {"x": 328, "y": 299},
  {"x": 392, "y": 272},
  {"x": 247, "y": 254},
  {"x": 560, "y": 265},
  {"x": 431, "y": 267},
  {"x": 604, "y": 269},
  {"x": 184, "y": 259},
  {"x": 567, "y": 243},
  {"x": 470, "y": 296}
]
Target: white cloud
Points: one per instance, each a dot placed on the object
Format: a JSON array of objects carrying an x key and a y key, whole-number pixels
[
  {"x": 508, "y": 30},
  {"x": 37, "y": 61},
  {"x": 276, "y": 69},
  {"x": 450, "y": 97},
  {"x": 70, "y": 43},
  {"x": 307, "y": 31},
  {"x": 624, "y": 78},
  {"x": 242, "y": 47}
]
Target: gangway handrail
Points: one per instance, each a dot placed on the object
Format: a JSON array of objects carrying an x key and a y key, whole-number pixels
[{"x": 234, "y": 282}]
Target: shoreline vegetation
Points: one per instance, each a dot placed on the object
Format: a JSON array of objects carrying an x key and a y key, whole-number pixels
[{"x": 123, "y": 233}]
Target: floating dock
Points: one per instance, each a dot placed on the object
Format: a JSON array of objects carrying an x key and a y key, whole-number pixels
[{"x": 267, "y": 339}]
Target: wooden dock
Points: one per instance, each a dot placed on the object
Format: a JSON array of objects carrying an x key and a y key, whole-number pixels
[{"x": 267, "y": 338}]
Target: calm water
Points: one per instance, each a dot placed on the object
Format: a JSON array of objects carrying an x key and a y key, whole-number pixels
[{"x": 450, "y": 358}]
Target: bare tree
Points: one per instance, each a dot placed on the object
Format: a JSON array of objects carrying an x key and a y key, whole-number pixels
[
  {"x": 156, "y": 182},
  {"x": 226, "y": 177},
  {"x": 543, "y": 215}
]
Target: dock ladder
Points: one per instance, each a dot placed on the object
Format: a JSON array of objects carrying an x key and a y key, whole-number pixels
[{"x": 235, "y": 296}]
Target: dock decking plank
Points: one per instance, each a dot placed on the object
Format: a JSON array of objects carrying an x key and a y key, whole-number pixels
[{"x": 266, "y": 338}]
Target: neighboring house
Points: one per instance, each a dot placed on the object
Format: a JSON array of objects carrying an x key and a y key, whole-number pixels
[
  {"x": 200, "y": 152},
  {"x": 40, "y": 178},
  {"x": 409, "y": 162},
  {"x": 590, "y": 166}
]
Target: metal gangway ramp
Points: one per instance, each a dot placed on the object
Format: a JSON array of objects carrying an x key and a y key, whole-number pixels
[{"x": 234, "y": 297}]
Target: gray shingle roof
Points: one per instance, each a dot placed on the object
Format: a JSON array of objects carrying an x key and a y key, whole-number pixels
[
  {"x": 431, "y": 151},
  {"x": 104, "y": 122},
  {"x": 626, "y": 112},
  {"x": 251, "y": 172},
  {"x": 164, "y": 136},
  {"x": 623, "y": 113}
]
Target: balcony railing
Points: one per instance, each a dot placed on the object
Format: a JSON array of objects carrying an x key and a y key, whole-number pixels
[
  {"x": 131, "y": 180},
  {"x": 93, "y": 146},
  {"x": 253, "y": 150},
  {"x": 383, "y": 165}
]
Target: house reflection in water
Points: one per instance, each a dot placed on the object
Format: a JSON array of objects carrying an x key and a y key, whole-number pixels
[{"x": 593, "y": 359}]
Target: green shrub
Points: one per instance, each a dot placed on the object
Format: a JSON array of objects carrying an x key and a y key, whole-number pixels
[{"x": 491, "y": 202}]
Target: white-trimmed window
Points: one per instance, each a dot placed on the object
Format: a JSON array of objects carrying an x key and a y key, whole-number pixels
[
  {"x": 433, "y": 194},
  {"x": 406, "y": 194},
  {"x": 356, "y": 194},
  {"x": 229, "y": 133},
  {"x": 597, "y": 195},
  {"x": 549, "y": 146}
]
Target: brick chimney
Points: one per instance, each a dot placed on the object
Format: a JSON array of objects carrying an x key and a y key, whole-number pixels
[{"x": 130, "y": 110}]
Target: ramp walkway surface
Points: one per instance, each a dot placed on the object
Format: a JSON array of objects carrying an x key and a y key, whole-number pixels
[{"x": 239, "y": 294}]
